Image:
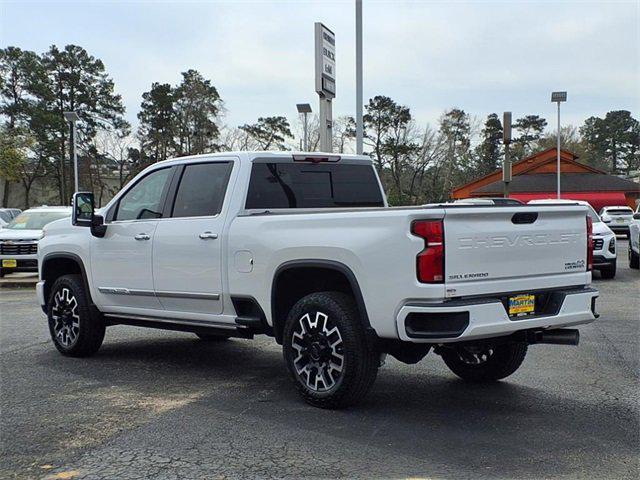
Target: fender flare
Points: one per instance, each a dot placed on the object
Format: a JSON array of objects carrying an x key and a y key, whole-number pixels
[
  {"x": 70, "y": 256},
  {"x": 325, "y": 264}
]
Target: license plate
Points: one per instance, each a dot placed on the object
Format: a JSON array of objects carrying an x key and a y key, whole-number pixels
[
  {"x": 620, "y": 220},
  {"x": 522, "y": 304},
  {"x": 9, "y": 263}
]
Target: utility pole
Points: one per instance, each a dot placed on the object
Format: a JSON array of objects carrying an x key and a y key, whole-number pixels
[
  {"x": 558, "y": 97},
  {"x": 359, "y": 105},
  {"x": 506, "y": 139},
  {"x": 72, "y": 118},
  {"x": 305, "y": 109}
]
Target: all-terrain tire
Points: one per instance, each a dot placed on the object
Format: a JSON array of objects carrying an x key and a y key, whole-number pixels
[
  {"x": 76, "y": 330},
  {"x": 338, "y": 332},
  {"x": 503, "y": 361}
]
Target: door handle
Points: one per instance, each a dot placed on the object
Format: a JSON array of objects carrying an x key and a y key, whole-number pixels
[
  {"x": 142, "y": 236},
  {"x": 208, "y": 236}
]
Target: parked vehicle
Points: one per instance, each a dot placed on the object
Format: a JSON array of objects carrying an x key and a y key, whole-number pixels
[
  {"x": 19, "y": 238},
  {"x": 617, "y": 219},
  {"x": 490, "y": 201},
  {"x": 303, "y": 247},
  {"x": 604, "y": 240},
  {"x": 8, "y": 214},
  {"x": 634, "y": 240}
]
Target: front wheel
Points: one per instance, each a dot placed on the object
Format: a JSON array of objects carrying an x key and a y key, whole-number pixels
[
  {"x": 327, "y": 352},
  {"x": 484, "y": 363},
  {"x": 76, "y": 331}
]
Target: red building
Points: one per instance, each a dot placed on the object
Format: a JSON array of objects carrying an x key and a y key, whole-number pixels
[{"x": 535, "y": 177}]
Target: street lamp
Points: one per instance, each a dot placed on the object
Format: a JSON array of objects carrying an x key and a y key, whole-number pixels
[
  {"x": 305, "y": 109},
  {"x": 558, "y": 97},
  {"x": 72, "y": 118}
]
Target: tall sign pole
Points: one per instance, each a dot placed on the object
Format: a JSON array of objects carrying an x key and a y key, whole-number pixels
[
  {"x": 506, "y": 139},
  {"x": 558, "y": 97},
  {"x": 325, "y": 81},
  {"x": 359, "y": 116}
]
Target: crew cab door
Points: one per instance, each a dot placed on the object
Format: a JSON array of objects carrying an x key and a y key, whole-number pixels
[
  {"x": 121, "y": 261},
  {"x": 187, "y": 247}
]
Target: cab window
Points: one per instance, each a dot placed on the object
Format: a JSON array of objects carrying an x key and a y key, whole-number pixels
[
  {"x": 201, "y": 190},
  {"x": 145, "y": 199}
]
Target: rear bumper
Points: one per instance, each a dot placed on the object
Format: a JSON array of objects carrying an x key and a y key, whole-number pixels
[{"x": 474, "y": 319}]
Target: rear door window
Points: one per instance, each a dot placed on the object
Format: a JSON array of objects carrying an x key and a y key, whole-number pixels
[
  {"x": 306, "y": 185},
  {"x": 201, "y": 190}
]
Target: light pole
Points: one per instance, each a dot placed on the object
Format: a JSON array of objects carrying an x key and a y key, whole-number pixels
[
  {"x": 558, "y": 97},
  {"x": 305, "y": 109},
  {"x": 359, "y": 121},
  {"x": 72, "y": 118}
]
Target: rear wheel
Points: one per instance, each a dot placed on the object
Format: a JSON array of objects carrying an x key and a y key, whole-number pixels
[
  {"x": 634, "y": 258},
  {"x": 327, "y": 352},
  {"x": 484, "y": 363},
  {"x": 75, "y": 329}
]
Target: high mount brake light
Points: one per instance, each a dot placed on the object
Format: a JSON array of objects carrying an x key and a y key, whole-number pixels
[
  {"x": 316, "y": 158},
  {"x": 430, "y": 261},
  {"x": 589, "y": 243}
]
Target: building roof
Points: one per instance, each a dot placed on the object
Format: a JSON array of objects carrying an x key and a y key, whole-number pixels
[{"x": 570, "y": 182}]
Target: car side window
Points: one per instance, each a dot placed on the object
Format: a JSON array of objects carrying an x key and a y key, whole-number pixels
[
  {"x": 144, "y": 200},
  {"x": 201, "y": 190}
]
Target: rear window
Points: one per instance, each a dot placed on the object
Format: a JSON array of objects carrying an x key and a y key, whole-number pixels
[
  {"x": 619, "y": 211},
  {"x": 307, "y": 185}
]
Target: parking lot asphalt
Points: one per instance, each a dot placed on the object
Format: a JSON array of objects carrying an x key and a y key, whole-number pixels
[{"x": 156, "y": 404}]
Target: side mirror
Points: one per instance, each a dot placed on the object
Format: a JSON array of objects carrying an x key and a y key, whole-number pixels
[
  {"x": 83, "y": 214},
  {"x": 83, "y": 207},
  {"x": 636, "y": 216}
]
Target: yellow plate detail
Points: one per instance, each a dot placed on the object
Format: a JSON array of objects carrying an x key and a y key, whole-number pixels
[
  {"x": 522, "y": 304},
  {"x": 9, "y": 263}
]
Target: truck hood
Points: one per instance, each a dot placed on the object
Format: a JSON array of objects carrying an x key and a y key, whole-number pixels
[{"x": 22, "y": 235}]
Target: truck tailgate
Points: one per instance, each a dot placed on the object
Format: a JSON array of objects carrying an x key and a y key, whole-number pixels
[{"x": 498, "y": 249}]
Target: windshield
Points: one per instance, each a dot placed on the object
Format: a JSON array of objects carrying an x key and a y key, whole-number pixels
[{"x": 35, "y": 220}]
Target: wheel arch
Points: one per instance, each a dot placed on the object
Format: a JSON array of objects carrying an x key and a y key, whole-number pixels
[
  {"x": 55, "y": 265},
  {"x": 295, "y": 279}
]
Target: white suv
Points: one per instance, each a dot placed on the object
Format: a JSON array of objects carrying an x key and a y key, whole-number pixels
[
  {"x": 604, "y": 240},
  {"x": 19, "y": 238},
  {"x": 617, "y": 219},
  {"x": 634, "y": 240}
]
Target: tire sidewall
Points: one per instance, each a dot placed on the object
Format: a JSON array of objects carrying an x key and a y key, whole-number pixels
[
  {"x": 86, "y": 323},
  {"x": 342, "y": 316}
]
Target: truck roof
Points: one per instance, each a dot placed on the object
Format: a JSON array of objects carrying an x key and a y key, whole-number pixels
[{"x": 248, "y": 156}]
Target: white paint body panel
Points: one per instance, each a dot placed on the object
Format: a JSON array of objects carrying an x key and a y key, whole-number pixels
[{"x": 375, "y": 244}]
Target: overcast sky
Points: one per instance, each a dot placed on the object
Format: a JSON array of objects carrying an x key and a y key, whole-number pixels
[{"x": 481, "y": 56}]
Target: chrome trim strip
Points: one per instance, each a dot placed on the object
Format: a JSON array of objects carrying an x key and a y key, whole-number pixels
[
  {"x": 197, "y": 296},
  {"x": 164, "y": 294},
  {"x": 126, "y": 291},
  {"x": 196, "y": 323}
]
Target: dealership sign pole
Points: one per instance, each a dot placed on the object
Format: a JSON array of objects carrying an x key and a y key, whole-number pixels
[
  {"x": 506, "y": 139},
  {"x": 325, "y": 81},
  {"x": 558, "y": 97}
]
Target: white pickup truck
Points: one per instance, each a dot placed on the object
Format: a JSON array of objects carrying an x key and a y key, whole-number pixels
[{"x": 303, "y": 247}]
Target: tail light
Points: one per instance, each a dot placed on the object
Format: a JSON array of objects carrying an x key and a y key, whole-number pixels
[
  {"x": 430, "y": 261},
  {"x": 589, "y": 243}
]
